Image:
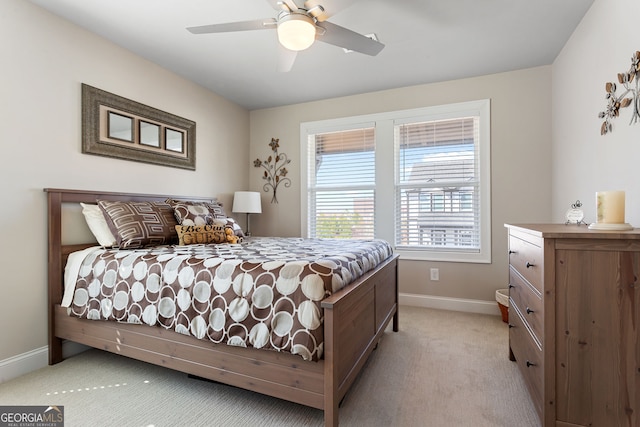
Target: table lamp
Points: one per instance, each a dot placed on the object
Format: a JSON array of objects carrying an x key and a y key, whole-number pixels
[{"x": 247, "y": 202}]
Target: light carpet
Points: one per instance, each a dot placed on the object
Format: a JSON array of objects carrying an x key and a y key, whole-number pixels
[{"x": 442, "y": 369}]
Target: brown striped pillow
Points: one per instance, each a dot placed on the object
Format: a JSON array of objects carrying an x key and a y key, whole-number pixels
[{"x": 140, "y": 224}]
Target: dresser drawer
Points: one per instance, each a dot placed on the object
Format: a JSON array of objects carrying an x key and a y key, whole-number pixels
[
  {"x": 528, "y": 356},
  {"x": 526, "y": 257},
  {"x": 529, "y": 301}
]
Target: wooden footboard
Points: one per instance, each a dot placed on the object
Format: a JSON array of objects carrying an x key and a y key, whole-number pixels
[{"x": 354, "y": 320}]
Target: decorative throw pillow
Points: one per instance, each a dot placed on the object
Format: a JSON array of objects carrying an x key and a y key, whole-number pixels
[
  {"x": 139, "y": 224},
  {"x": 217, "y": 232},
  {"x": 196, "y": 213},
  {"x": 98, "y": 225},
  {"x": 196, "y": 234},
  {"x": 237, "y": 230}
]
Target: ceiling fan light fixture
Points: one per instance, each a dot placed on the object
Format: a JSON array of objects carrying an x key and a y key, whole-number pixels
[{"x": 296, "y": 31}]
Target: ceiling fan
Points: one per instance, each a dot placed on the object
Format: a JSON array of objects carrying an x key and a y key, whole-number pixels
[{"x": 298, "y": 27}]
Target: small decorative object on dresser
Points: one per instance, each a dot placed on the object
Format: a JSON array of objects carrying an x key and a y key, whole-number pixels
[
  {"x": 575, "y": 215},
  {"x": 610, "y": 208},
  {"x": 572, "y": 324}
]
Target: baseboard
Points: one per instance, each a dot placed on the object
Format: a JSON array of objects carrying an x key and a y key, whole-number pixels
[
  {"x": 453, "y": 304},
  {"x": 33, "y": 360}
]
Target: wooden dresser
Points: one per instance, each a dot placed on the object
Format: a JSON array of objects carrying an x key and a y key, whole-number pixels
[{"x": 574, "y": 322}]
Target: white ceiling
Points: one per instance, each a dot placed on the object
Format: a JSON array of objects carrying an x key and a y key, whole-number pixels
[{"x": 426, "y": 41}]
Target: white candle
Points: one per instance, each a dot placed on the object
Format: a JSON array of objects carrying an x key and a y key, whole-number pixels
[{"x": 610, "y": 207}]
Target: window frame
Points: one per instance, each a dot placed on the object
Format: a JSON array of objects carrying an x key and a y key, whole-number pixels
[
  {"x": 385, "y": 166},
  {"x": 332, "y": 184}
]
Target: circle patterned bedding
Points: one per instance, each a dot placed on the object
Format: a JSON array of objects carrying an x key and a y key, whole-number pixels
[{"x": 262, "y": 293}]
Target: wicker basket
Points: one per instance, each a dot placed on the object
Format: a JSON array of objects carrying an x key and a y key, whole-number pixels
[{"x": 502, "y": 298}]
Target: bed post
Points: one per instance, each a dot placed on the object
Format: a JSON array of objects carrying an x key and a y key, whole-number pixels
[
  {"x": 354, "y": 320},
  {"x": 395, "y": 323},
  {"x": 54, "y": 225},
  {"x": 331, "y": 379}
]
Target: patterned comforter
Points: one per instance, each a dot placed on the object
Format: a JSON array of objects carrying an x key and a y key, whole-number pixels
[{"x": 262, "y": 293}]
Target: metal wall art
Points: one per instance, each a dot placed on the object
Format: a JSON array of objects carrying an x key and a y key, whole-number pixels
[
  {"x": 275, "y": 172},
  {"x": 630, "y": 81}
]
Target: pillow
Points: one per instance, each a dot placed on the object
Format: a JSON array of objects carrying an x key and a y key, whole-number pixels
[
  {"x": 98, "y": 225},
  {"x": 140, "y": 224},
  {"x": 237, "y": 230},
  {"x": 220, "y": 231},
  {"x": 196, "y": 213},
  {"x": 196, "y": 234}
]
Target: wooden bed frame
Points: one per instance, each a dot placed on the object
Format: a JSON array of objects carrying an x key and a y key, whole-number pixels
[{"x": 354, "y": 320}]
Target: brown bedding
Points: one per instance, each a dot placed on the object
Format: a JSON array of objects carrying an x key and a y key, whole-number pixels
[{"x": 262, "y": 293}]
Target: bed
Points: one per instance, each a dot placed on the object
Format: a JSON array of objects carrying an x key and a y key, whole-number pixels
[{"x": 354, "y": 319}]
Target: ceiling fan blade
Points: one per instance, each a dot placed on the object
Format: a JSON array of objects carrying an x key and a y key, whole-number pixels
[
  {"x": 331, "y": 7},
  {"x": 286, "y": 58},
  {"x": 289, "y": 5},
  {"x": 345, "y": 38},
  {"x": 258, "y": 24}
]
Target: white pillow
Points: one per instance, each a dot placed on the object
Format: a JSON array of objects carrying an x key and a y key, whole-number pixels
[{"x": 98, "y": 225}]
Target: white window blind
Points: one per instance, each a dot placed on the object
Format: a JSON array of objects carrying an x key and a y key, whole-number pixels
[
  {"x": 438, "y": 185},
  {"x": 341, "y": 184}
]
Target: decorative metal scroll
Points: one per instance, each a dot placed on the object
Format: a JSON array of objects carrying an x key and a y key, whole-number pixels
[
  {"x": 630, "y": 81},
  {"x": 275, "y": 172}
]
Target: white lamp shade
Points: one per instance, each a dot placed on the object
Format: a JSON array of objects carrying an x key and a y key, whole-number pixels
[
  {"x": 296, "y": 32},
  {"x": 247, "y": 202}
]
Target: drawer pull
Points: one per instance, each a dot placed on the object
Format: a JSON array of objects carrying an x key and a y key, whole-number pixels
[
  {"x": 529, "y": 311},
  {"x": 528, "y": 264},
  {"x": 511, "y": 326},
  {"x": 511, "y": 286},
  {"x": 530, "y": 364},
  {"x": 511, "y": 252}
]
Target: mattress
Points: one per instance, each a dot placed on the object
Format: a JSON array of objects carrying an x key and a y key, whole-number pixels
[{"x": 262, "y": 293}]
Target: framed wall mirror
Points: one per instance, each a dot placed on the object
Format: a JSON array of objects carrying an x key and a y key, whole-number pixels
[
  {"x": 174, "y": 140},
  {"x": 118, "y": 127},
  {"x": 149, "y": 134}
]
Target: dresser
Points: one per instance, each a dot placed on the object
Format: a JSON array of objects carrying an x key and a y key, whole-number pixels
[{"x": 574, "y": 322}]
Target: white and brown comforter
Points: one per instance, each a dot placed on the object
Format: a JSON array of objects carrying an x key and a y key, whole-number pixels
[{"x": 262, "y": 293}]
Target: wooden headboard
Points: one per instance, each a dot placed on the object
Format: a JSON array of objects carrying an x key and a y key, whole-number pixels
[{"x": 58, "y": 251}]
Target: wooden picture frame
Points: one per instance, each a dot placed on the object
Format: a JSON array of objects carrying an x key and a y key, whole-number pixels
[{"x": 118, "y": 127}]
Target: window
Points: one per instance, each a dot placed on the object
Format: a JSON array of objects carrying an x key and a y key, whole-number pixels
[
  {"x": 341, "y": 184},
  {"x": 437, "y": 184},
  {"x": 417, "y": 178}
]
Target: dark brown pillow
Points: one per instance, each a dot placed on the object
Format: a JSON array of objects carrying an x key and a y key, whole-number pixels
[
  {"x": 196, "y": 213},
  {"x": 140, "y": 224}
]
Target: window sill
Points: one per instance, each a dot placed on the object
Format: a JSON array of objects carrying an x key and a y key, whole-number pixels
[{"x": 444, "y": 256}]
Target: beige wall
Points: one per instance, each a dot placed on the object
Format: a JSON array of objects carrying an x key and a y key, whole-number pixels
[
  {"x": 583, "y": 161},
  {"x": 44, "y": 61},
  {"x": 521, "y": 166}
]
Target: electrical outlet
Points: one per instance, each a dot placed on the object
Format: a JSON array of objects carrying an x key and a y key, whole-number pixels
[{"x": 435, "y": 274}]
